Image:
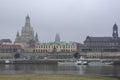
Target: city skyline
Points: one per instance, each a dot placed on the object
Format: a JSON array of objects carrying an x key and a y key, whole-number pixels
[{"x": 73, "y": 20}]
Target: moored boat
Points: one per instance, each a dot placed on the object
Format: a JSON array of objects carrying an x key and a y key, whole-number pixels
[
  {"x": 100, "y": 63},
  {"x": 80, "y": 61},
  {"x": 7, "y": 61},
  {"x": 67, "y": 62}
]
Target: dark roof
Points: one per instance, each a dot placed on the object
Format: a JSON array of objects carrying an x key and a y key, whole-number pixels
[
  {"x": 100, "y": 39},
  {"x": 6, "y": 40},
  {"x": 10, "y": 46}
]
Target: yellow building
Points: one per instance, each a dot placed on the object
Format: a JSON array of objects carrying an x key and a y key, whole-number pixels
[{"x": 55, "y": 47}]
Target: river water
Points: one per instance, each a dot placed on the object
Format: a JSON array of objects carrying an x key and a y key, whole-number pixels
[{"x": 111, "y": 70}]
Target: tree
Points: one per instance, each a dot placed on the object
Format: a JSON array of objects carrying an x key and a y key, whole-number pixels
[
  {"x": 76, "y": 55},
  {"x": 17, "y": 55}
]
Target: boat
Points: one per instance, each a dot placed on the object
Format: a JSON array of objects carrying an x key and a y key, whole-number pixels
[
  {"x": 67, "y": 62},
  {"x": 100, "y": 63},
  {"x": 80, "y": 61},
  {"x": 7, "y": 61}
]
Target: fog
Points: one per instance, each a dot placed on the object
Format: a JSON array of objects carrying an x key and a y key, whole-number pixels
[{"x": 72, "y": 19}]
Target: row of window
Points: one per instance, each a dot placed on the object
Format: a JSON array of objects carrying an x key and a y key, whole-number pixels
[
  {"x": 57, "y": 49},
  {"x": 8, "y": 50},
  {"x": 49, "y": 51},
  {"x": 100, "y": 56},
  {"x": 55, "y": 46},
  {"x": 100, "y": 44}
]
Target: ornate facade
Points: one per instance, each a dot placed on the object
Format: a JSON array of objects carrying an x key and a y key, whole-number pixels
[
  {"x": 103, "y": 44},
  {"x": 6, "y": 46},
  {"x": 55, "y": 47},
  {"x": 27, "y": 34}
]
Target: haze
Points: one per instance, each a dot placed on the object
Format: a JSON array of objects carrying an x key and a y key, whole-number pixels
[{"x": 72, "y": 19}]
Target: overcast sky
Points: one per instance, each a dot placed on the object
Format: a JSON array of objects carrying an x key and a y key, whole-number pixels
[{"x": 72, "y": 19}]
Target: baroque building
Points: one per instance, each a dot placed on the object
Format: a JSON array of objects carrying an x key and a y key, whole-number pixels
[
  {"x": 55, "y": 47},
  {"x": 27, "y": 34},
  {"x": 103, "y": 44},
  {"x": 52, "y": 47}
]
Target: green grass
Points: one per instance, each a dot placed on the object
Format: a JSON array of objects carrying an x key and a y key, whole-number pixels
[{"x": 51, "y": 77}]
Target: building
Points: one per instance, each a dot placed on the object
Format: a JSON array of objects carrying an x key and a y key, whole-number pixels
[
  {"x": 5, "y": 41},
  {"x": 6, "y": 46},
  {"x": 53, "y": 47},
  {"x": 27, "y": 34},
  {"x": 57, "y": 38},
  {"x": 103, "y": 44},
  {"x": 79, "y": 46}
]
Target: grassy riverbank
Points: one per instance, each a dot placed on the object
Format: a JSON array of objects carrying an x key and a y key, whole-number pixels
[{"x": 51, "y": 77}]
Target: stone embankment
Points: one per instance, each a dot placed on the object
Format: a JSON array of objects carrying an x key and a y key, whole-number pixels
[{"x": 53, "y": 58}]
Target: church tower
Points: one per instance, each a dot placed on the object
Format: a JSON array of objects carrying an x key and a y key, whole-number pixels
[
  {"x": 57, "y": 38},
  {"x": 27, "y": 23},
  {"x": 17, "y": 37},
  {"x": 27, "y": 33},
  {"x": 17, "y": 34},
  {"x": 36, "y": 38},
  {"x": 115, "y": 31}
]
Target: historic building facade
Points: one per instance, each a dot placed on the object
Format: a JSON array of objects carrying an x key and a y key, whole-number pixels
[
  {"x": 6, "y": 46},
  {"x": 52, "y": 47},
  {"x": 27, "y": 34},
  {"x": 103, "y": 44}
]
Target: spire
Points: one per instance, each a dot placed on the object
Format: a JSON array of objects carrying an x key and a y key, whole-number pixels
[
  {"x": 36, "y": 38},
  {"x": 27, "y": 23},
  {"x": 17, "y": 34},
  {"x": 17, "y": 37},
  {"x": 115, "y": 31},
  {"x": 57, "y": 38}
]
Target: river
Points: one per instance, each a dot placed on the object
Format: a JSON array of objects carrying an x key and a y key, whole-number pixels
[{"x": 111, "y": 70}]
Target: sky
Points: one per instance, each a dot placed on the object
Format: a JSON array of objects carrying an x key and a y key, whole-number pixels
[{"x": 72, "y": 19}]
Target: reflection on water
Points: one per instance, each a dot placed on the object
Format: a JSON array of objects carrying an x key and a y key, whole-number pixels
[{"x": 59, "y": 69}]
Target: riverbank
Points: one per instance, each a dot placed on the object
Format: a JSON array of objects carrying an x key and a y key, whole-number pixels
[
  {"x": 45, "y": 61},
  {"x": 52, "y": 77},
  {"x": 18, "y": 61}
]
